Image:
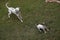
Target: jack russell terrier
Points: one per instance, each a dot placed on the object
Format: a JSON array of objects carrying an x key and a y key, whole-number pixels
[{"x": 42, "y": 27}]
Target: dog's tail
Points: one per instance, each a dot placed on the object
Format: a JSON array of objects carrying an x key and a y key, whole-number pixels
[{"x": 6, "y": 5}]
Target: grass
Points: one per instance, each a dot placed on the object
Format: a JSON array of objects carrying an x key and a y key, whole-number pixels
[{"x": 33, "y": 12}]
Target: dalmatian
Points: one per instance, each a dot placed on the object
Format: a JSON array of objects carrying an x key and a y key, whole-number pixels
[{"x": 15, "y": 11}]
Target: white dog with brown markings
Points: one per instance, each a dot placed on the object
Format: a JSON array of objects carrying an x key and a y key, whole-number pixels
[
  {"x": 15, "y": 11},
  {"x": 57, "y": 1}
]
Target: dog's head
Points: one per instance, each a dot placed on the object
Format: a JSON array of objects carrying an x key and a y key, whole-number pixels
[{"x": 17, "y": 8}]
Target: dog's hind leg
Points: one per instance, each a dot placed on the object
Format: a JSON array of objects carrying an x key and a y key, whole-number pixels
[
  {"x": 9, "y": 15},
  {"x": 44, "y": 31}
]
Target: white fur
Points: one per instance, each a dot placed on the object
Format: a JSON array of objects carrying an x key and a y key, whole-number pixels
[
  {"x": 40, "y": 26},
  {"x": 57, "y": 1},
  {"x": 14, "y": 11}
]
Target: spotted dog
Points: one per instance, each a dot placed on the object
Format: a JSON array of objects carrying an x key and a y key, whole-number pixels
[{"x": 15, "y": 11}]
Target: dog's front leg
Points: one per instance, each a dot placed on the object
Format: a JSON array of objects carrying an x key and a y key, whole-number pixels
[
  {"x": 39, "y": 30},
  {"x": 44, "y": 31},
  {"x": 19, "y": 17},
  {"x": 46, "y": 28}
]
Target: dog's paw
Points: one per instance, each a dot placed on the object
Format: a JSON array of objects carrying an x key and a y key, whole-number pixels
[{"x": 21, "y": 20}]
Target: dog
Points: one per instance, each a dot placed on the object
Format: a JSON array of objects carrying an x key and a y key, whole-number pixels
[
  {"x": 42, "y": 27},
  {"x": 57, "y": 1},
  {"x": 15, "y": 11}
]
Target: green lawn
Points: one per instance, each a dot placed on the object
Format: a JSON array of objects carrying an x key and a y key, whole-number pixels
[{"x": 33, "y": 12}]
